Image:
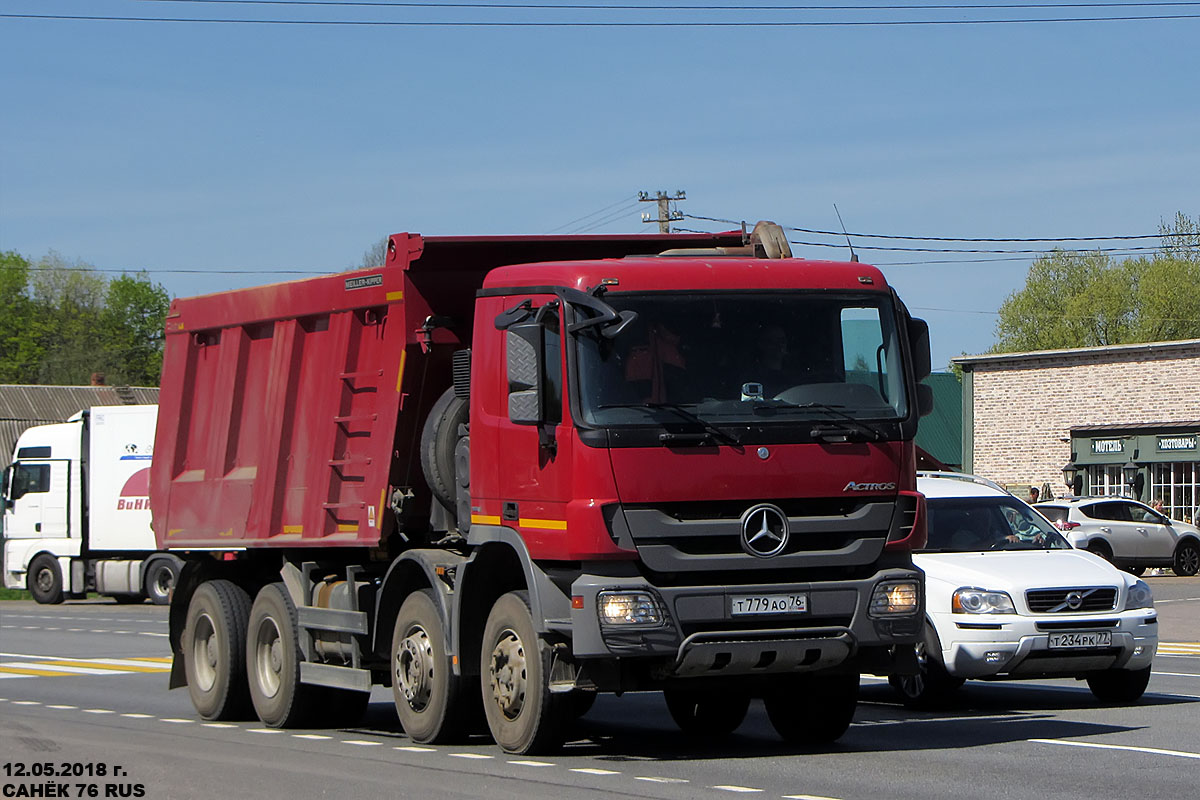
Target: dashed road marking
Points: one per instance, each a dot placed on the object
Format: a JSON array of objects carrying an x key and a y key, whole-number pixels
[
  {"x": 175, "y": 720},
  {"x": 656, "y": 779},
  {"x": 217, "y": 725},
  {"x": 311, "y": 736},
  {"x": 63, "y": 707},
  {"x": 29, "y": 665},
  {"x": 26, "y": 703},
  {"x": 263, "y": 730},
  {"x": 135, "y": 715},
  {"x": 1130, "y": 748},
  {"x": 594, "y": 771},
  {"x": 532, "y": 763},
  {"x": 361, "y": 742},
  {"x": 807, "y": 797},
  {"x": 470, "y": 755},
  {"x": 100, "y": 711},
  {"x": 408, "y": 748},
  {"x": 738, "y": 789}
]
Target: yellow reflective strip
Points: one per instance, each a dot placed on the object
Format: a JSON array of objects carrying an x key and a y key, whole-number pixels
[
  {"x": 400, "y": 375},
  {"x": 155, "y": 659},
  {"x": 484, "y": 519},
  {"x": 547, "y": 524},
  {"x": 394, "y": 296},
  {"x": 27, "y": 671},
  {"x": 293, "y": 529},
  {"x": 102, "y": 665},
  {"x": 347, "y": 529}
]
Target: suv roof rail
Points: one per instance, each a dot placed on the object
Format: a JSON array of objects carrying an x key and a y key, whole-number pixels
[{"x": 962, "y": 476}]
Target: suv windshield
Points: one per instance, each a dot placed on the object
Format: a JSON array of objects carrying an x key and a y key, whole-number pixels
[
  {"x": 972, "y": 524},
  {"x": 745, "y": 357}
]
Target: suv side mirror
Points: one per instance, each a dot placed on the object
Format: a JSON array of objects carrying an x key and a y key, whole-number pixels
[{"x": 524, "y": 343}]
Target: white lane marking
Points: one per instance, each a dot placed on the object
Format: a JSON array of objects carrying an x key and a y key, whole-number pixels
[
  {"x": 532, "y": 763},
  {"x": 1177, "y": 674},
  {"x": 147, "y": 633},
  {"x": 26, "y": 703},
  {"x": 63, "y": 707},
  {"x": 739, "y": 789},
  {"x": 51, "y": 629},
  {"x": 807, "y": 797},
  {"x": 361, "y": 742},
  {"x": 100, "y": 711},
  {"x": 413, "y": 749},
  {"x": 74, "y": 630},
  {"x": 175, "y": 720},
  {"x": 264, "y": 730},
  {"x": 312, "y": 736},
  {"x": 216, "y": 725},
  {"x": 1177, "y": 600},
  {"x": 1097, "y": 746},
  {"x": 138, "y": 716},
  {"x": 656, "y": 779},
  {"x": 594, "y": 771},
  {"x": 470, "y": 755}
]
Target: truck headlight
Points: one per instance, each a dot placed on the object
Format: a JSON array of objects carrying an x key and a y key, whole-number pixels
[
  {"x": 628, "y": 609},
  {"x": 971, "y": 600},
  {"x": 892, "y": 598},
  {"x": 1139, "y": 596}
]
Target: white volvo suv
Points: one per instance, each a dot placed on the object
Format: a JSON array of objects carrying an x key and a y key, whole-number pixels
[{"x": 1007, "y": 597}]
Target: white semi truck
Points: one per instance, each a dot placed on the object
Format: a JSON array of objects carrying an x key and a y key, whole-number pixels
[{"x": 77, "y": 509}]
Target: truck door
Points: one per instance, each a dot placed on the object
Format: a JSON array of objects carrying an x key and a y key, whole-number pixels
[{"x": 27, "y": 489}]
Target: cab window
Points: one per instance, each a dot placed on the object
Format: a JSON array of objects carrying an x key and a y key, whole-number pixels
[{"x": 30, "y": 479}]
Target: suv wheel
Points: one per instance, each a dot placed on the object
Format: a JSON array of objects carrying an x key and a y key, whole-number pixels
[
  {"x": 1100, "y": 547},
  {"x": 1187, "y": 558}
]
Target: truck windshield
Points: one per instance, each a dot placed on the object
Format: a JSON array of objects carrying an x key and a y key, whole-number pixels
[{"x": 745, "y": 358}]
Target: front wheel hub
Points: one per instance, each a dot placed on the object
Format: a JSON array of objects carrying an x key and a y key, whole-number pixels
[
  {"x": 509, "y": 674},
  {"x": 414, "y": 669}
]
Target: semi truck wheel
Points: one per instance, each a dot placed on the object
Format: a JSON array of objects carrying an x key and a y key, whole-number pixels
[
  {"x": 273, "y": 660},
  {"x": 813, "y": 710},
  {"x": 424, "y": 687},
  {"x": 438, "y": 438},
  {"x": 707, "y": 712},
  {"x": 45, "y": 580},
  {"x": 522, "y": 714},
  {"x": 159, "y": 579},
  {"x": 214, "y": 650}
]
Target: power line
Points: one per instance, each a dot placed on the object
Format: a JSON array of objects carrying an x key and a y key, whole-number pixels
[
  {"x": 625, "y": 200},
  {"x": 598, "y": 24},
  {"x": 613, "y": 217}
]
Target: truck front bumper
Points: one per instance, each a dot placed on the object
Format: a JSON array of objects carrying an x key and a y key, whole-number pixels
[{"x": 695, "y": 631}]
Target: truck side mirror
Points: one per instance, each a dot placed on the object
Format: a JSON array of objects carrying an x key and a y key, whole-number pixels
[
  {"x": 918, "y": 345},
  {"x": 924, "y": 400},
  {"x": 525, "y": 343}
]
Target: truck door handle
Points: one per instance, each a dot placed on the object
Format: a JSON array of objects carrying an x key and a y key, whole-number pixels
[{"x": 37, "y": 527}]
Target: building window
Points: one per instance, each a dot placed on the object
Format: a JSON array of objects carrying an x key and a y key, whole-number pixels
[
  {"x": 1178, "y": 486},
  {"x": 1104, "y": 480}
]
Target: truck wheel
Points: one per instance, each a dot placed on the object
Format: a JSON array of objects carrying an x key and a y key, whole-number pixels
[
  {"x": 813, "y": 710},
  {"x": 1119, "y": 685},
  {"x": 159, "y": 580},
  {"x": 273, "y": 660},
  {"x": 932, "y": 686},
  {"x": 1187, "y": 559},
  {"x": 45, "y": 580},
  {"x": 522, "y": 714},
  {"x": 700, "y": 713},
  {"x": 438, "y": 438},
  {"x": 214, "y": 650},
  {"x": 424, "y": 687}
]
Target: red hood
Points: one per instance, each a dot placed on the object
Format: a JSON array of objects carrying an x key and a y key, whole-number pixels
[{"x": 652, "y": 475}]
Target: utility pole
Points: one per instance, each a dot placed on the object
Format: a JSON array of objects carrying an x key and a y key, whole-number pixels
[{"x": 665, "y": 215}]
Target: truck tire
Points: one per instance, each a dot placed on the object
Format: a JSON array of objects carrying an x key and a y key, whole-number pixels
[
  {"x": 813, "y": 710},
  {"x": 707, "y": 713},
  {"x": 424, "y": 687},
  {"x": 214, "y": 650},
  {"x": 933, "y": 686},
  {"x": 159, "y": 579},
  {"x": 273, "y": 660},
  {"x": 44, "y": 580},
  {"x": 522, "y": 714},
  {"x": 438, "y": 438},
  {"x": 1119, "y": 685}
]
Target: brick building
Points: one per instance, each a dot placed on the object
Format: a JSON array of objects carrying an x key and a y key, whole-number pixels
[{"x": 1117, "y": 414}]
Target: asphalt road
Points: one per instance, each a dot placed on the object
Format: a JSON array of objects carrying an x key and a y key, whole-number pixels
[{"x": 83, "y": 688}]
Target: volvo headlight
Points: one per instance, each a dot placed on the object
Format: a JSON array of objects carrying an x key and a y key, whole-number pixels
[
  {"x": 628, "y": 609},
  {"x": 1139, "y": 596},
  {"x": 972, "y": 600}
]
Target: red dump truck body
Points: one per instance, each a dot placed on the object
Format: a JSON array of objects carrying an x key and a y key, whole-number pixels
[{"x": 519, "y": 471}]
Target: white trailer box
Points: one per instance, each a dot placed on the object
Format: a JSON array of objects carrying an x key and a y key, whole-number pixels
[{"x": 119, "y": 448}]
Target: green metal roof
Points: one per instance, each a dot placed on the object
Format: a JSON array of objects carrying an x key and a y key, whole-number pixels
[{"x": 940, "y": 433}]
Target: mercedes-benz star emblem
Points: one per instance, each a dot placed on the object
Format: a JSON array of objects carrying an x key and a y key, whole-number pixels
[
  {"x": 1074, "y": 600},
  {"x": 764, "y": 530}
]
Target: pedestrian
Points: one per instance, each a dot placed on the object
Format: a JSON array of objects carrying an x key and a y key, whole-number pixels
[{"x": 1034, "y": 494}]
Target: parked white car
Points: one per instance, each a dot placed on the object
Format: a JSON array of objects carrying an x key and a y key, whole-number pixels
[{"x": 1007, "y": 597}]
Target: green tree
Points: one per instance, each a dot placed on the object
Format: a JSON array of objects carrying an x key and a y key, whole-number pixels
[
  {"x": 20, "y": 346},
  {"x": 69, "y": 297},
  {"x": 132, "y": 328},
  {"x": 1075, "y": 299}
]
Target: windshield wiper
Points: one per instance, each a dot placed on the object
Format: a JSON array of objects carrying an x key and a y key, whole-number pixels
[
  {"x": 847, "y": 426},
  {"x": 710, "y": 431}
]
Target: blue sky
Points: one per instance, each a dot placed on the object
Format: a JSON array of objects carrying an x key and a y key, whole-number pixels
[{"x": 213, "y": 148}]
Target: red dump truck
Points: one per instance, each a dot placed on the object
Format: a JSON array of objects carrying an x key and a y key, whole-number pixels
[{"x": 503, "y": 474}]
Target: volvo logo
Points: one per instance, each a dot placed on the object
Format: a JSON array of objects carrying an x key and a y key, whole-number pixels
[
  {"x": 764, "y": 530},
  {"x": 1074, "y": 600}
]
